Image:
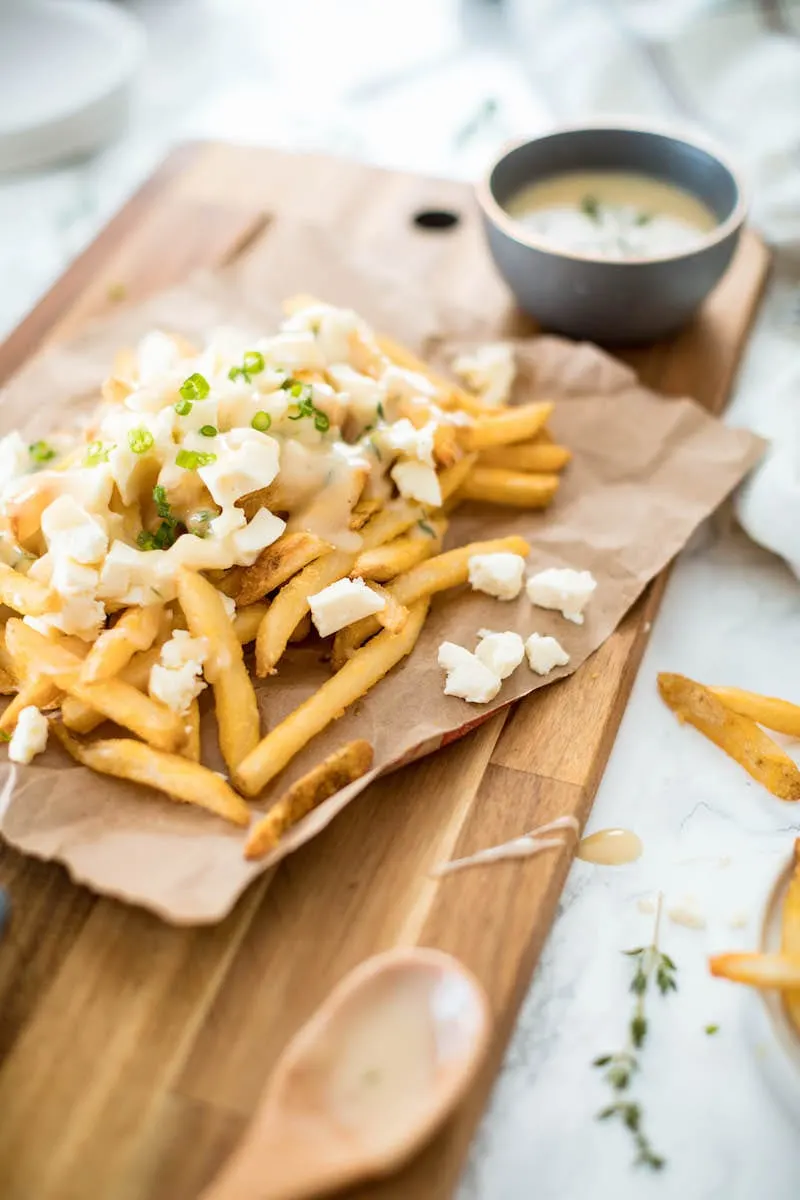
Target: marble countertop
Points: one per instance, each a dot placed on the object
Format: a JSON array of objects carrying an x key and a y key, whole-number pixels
[{"x": 436, "y": 85}]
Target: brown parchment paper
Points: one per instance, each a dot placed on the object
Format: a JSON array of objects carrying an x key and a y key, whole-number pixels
[{"x": 646, "y": 472}]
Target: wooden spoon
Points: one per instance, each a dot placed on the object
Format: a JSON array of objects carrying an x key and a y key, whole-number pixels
[{"x": 366, "y": 1082}]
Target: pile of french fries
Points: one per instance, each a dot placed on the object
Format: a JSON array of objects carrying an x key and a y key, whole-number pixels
[
  {"x": 498, "y": 455},
  {"x": 781, "y": 969}
]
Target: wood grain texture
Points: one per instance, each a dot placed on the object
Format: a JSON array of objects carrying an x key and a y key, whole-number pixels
[{"x": 131, "y": 1053}]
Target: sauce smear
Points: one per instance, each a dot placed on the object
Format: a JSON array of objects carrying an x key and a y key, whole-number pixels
[{"x": 611, "y": 847}]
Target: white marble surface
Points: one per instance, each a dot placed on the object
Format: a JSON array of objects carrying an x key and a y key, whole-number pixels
[{"x": 396, "y": 84}]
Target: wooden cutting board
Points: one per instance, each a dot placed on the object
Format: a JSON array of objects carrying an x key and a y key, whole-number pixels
[{"x": 132, "y": 1053}]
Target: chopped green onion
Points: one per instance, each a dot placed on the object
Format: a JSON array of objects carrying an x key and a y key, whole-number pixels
[
  {"x": 590, "y": 207},
  {"x": 261, "y": 421},
  {"x": 190, "y": 460},
  {"x": 643, "y": 218},
  {"x": 140, "y": 440},
  {"x": 321, "y": 421},
  {"x": 208, "y": 430},
  {"x": 40, "y": 452},
  {"x": 168, "y": 531},
  {"x": 196, "y": 387},
  {"x": 183, "y": 407},
  {"x": 426, "y": 528},
  {"x": 4, "y": 737},
  {"x": 380, "y": 412},
  {"x": 161, "y": 502},
  {"x": 253, "y": 362},
  {"x": 96, "y": 453}
]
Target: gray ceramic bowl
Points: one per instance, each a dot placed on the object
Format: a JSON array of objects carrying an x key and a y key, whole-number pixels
[{"x": 639, "y": 299}]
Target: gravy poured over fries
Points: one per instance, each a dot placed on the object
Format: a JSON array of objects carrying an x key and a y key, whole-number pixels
[{"x": 215, "y": 493}]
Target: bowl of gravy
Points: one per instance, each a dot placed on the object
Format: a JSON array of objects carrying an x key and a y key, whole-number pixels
[{"x": 611, "y": 234}]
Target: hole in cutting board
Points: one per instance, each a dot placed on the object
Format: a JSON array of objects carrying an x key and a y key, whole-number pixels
[{"x": 436, "y": 218}]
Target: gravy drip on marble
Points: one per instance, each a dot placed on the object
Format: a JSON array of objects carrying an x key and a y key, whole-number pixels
[{"x": 611, "y": 847}]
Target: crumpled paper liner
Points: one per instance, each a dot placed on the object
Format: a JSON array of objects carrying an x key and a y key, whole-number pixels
[{"x": 646, "y": 472}]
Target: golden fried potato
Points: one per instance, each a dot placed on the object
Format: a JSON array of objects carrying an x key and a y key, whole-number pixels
[
  {"x": 328, "y": 777},
  {"x": 780, "y": 971},
  {"x": 737, "y": 735},
  {"x": 178, "y": 778},
  {"x": 329, "y": 702}
]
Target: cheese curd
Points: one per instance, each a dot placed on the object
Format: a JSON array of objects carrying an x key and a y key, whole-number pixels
[
  {"x": 498, "y": 575},
  {"x": 544, "y": 654},
  {"x": 341, "y": 604},
  {"x": 29, "y": 737},
  {"x": 417, "y": 481},
  {"x": 246, "y": 461},
  {"x": 467, "y": 677},
  {"x": 403, "y": 438},
  {"x": 71, "y": 532},
  {"x": 500, "y": 652},
  {"x": 489, "y": 371},
  {"x": 175, "y": 679},
  {"x": 563, "y": 589}
]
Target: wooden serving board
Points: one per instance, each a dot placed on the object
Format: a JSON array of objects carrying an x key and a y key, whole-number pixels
[{"x": 132, "y": 1053}]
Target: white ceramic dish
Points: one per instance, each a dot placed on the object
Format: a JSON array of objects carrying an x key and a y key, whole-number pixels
[
  {"x": 67, "y": 68},
  {"x": 775, "y": 1040}
]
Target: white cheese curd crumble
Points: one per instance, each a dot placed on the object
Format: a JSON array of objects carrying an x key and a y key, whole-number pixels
[
  {"x": 498, "y": 575},
  {"x": 545, "y": 654},
  {"x": 176, "y": 679},
  {"x": 500, "y": 652},
  {"x": 467, "y": 677},
  {"x": 417, "y": 481},
  {"x": 341, "y": 604},
  {"x": 29, "y": 737},
  {"x": 563, "y": 589},
  {"x": 490, "y": 371}
]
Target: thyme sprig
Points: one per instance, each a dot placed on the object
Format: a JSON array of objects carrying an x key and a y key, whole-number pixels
[{"x": 650, "y": 965}]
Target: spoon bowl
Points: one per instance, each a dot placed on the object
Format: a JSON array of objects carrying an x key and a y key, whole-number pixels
[{"x": 366, "y": 1082}]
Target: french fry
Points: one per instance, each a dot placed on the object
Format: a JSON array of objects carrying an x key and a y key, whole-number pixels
[
  {"x": 234, "y": 695},
  {"x": 25, "y": 595},
  {"x": 451, "y": 394},
  {"x": 362, "y": 513},
  {"x": 301, "y": 630},
  {"x": 329, "y": 702},
  {"x": 393, "y": 558},
  {"x": 82, "y": 718},
  {"x": 780, "y": 715},
  {"x": 178, "y": 778},
  {"x": 393, "y": 616},
  {"x": 509, "y": 425},
  {"x": 291, "y": 605},
  {"x": 279, "y": 562},
  {"x": 38, "y": 691},
  {"x": 541, "y": 458},
  {"x": 451, "y": 479},
  {"x": 436, "y": 575},
  {"x": 192, "y": 725},
  {"x": 115, "y": 699},
  {"x": 326, "y": 779},
  {"x": 135, "y": 630},
  {"x": 8, "y": 682},
  {"x": 790, "y": 933},
  {"x": 737, "y": 735},
  {"x": 780, "y": 971},
  {"x": 516, "y": 489},
  {"x": 247, "y": 621}
]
